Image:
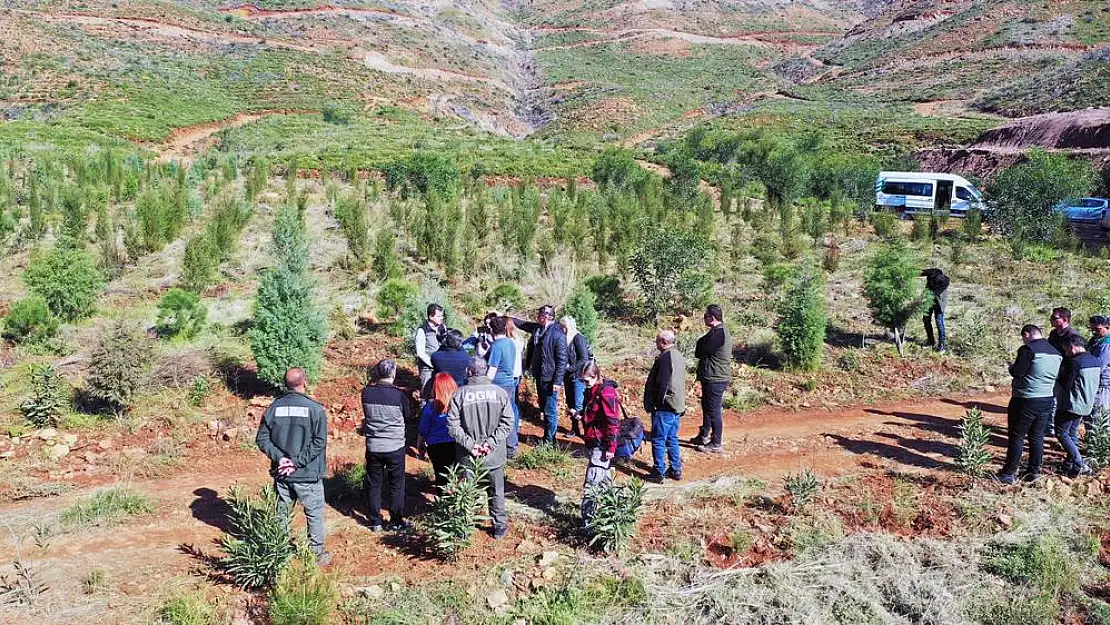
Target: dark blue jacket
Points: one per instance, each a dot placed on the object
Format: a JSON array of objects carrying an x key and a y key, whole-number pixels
[{"x": 453, "y": 362}]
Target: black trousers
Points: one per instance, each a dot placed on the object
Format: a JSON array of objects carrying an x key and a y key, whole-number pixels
[
  {"x": 385, "y": 469},
  {"x": 1027, "y": 418},
  {"x": 712, "y": 400},
  {"x": 442, "y": 456}
]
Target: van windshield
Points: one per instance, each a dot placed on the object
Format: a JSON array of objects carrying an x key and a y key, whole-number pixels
[
  {"x": 908, "y": 188},
  {"x": 963, "y": 193}
]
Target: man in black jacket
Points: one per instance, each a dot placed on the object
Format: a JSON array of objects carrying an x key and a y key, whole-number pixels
[
  {"x": 714, "y": 354},
  {"x": 1062, "y": 330},
  {"x": 665, "y": 401},
  {"x": 937, "y": 284},
  {"x": 546, "y": 360},
  {"x": 293, "y": 433}
]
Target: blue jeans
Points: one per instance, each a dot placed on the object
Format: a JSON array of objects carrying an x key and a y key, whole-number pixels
[
  {"x": 549, "y": 403},
  {"x": 664, "y": 441},
  {"x": 513, "y": 442},
  {"x": 1067, "y": 432},
  {"x": 942, "y": 335},
  {"x": 576, "y": 393}
]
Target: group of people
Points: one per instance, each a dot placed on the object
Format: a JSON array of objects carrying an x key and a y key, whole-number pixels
[
  {"x": 469, "y": 412},
  {"x": 1059, "y": 382}
]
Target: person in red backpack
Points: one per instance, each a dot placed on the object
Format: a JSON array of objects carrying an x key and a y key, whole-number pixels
[{"x": 601, "y": 418}]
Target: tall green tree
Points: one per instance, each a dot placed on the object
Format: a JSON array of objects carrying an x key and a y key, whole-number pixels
[
  {"x": 1023, "y": 196},
  {"x": 665, "y": 259},
  {"x": 289, "y": 329},
  {"x": 890, "y": 286},
  {"x": 803, "y": 318}
]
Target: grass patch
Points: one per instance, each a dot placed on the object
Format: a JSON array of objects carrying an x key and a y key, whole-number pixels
[
  {"x": 105, "y": 509},
  {"x": 544, "y": 456},
  {"x": 187, "y": 608}
]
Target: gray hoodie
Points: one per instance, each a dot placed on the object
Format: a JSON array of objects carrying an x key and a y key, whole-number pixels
[{"x": 480, "y": 412}]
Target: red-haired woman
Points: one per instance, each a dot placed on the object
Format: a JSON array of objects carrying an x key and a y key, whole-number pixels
[{"x": 433, "y": 427}]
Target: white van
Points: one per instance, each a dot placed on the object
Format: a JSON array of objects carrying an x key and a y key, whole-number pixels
[{"x": 911, "y": 192}]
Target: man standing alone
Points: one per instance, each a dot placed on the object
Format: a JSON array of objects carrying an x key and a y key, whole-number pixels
[
  {"x": 665, "y": 401},
  {"x": 714, "y": 354},
  {"x": 937, "y": 284},
  {"x": 294, "y": 434},
  {"x": 479, "y": 421},
  {"x": 1032, "y": 405}
]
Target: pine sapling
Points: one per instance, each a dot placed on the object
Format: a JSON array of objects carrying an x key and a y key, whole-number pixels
[
  {"x": 457, "y": 509},
  {"x": 616, "y": 509},
  {"x": 973, "y": 456},
  {"x": 802, "y": 488},
  {"x": 1097, "y": 439}
]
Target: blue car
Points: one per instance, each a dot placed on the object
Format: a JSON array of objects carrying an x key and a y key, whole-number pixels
[{"x": 1088, "y": 209}]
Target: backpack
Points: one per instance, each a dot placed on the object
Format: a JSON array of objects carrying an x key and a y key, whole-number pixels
[{"x": 631, "y": 436}]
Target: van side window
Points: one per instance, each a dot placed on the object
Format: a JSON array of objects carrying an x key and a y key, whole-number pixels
[
  {"x": 964, "y": 194},
  {"x": 908, "y": 188}
]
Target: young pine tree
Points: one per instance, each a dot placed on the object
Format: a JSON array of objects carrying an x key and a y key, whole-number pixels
[
  {"x": 289, "y": 330},
  {"x": 804, "y": 316}
]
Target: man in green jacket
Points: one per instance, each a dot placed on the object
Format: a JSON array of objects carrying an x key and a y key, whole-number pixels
[
  {"x": 479, "y": 419},
  {"x": 294, "y": 435},
  {"x": 714, "y": 354}
]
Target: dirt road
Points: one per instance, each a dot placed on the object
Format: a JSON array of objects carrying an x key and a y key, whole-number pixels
[{"x": 141, "y": 556}]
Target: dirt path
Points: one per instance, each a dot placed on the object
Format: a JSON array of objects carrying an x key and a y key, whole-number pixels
[
  {"x": 251, "y": 12},
  {"x": 142, "y": 556},
  {"x": 182, "y": 142},
  {"x": 638, "y": 33}
]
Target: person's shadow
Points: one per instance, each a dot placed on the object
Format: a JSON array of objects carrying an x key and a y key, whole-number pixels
[{"x": 211, "y": 509}]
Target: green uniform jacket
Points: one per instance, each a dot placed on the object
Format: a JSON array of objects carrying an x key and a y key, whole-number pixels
[
  {"x": 295, "y": 426},
  {"x": 480, "y": 412}
]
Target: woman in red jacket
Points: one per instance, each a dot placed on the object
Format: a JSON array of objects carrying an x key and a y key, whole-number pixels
[{"x": 601, "y": 417}]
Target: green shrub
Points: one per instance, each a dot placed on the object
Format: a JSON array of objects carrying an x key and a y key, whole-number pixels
[
  {"x": 385, "y": 263},
  {"x": 289, "y": 329},
  {"x": 189, "y": 608},
  {"x": 973, "y": 225},
  {"x": 617, "y": 508},
  {"x": 543, "y": 456},
  {"x": 1096, "y": 439},
  {"x": 394, "y": 297},
  {"x": 457, "y": 509},
  {"x": 303, "y": 595},
  {"x": 30, "y": 320},
  {"x": 337, "y": 114},
  {"x": 350, "y": 212},
  {"x": 257, "y": 545},
  {"x": 802, "y": 488},
  {"x": 198, "y": 390},
  {"x": 975, "y": 436},
  {"x": 118, "y": 366},
  {"x": 428, "y": 173},
  {"x": 803, "y": 317},
  {"x": 608, "y": 294},
  {"x": 884, "y": 224},
  {"x": 1023, "y": 197},
  {"x": 181, "y": 313},
  {"x": 890, "y": 286},
  {"x": 50, "y": 396},
  {"x": 776, "y": 275},
  {"x": 67, "y": 280},
  {"x": 504, "y": 297},
  {"x": 1007, "y": 607},
  {"x": 582, "y": 306},
  {"x": 663, "y": 257},
  {"x": 1043, "y": 562},
  {"x": 200, "y": 264},
  {"x": 105, "y": 508}
]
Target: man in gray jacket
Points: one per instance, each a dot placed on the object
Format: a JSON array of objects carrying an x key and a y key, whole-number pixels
[
  {"x": 479, "y": 419},
  {"x": 294, "y": 434},
  {"x": 386, "y": 409}
]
